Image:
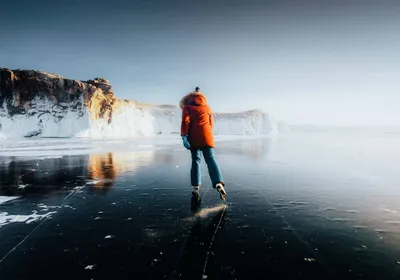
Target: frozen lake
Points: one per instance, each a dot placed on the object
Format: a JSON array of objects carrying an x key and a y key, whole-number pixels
[{"x": 311, "y": 206}]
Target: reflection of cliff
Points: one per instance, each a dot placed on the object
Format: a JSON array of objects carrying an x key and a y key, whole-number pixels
[
  {"x": 103, "y": 169},
  {"x": 50, "y": 174},
  {"x": 255, "y": 149},
  {"x": 26, "y": 176}
]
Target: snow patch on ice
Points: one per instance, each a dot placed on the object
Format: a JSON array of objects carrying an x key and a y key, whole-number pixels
[
  {"x": 4, "y": 199},
  {"x": 385, "y": 209},
  {"x": 90, "y": 267},
  {"x": 49, "y": 157},
  {"x": 46, "y": 207},
  {"x": 205, "y": 212},
  {"x": 6, "y": 218},
  {"x": 93, "y": 182}
]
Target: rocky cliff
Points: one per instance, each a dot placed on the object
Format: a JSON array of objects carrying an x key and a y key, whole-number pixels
[
  {"x": 37, "y": 103},
  {"x": 21, "y": 89}
]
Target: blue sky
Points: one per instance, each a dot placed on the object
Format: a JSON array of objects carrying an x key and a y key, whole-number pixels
[{"x": 305, "y": 62}]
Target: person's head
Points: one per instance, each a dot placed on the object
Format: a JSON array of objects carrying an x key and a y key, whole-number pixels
[{"x": 197, "y": 89}]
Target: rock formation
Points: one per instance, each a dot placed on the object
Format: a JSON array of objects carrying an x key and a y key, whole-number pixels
[
  {"x": 18, "y": 88},
  {"x": 37, "y": 103}
]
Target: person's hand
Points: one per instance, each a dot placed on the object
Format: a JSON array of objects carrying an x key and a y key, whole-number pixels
[{"x": 185, "y": 142}]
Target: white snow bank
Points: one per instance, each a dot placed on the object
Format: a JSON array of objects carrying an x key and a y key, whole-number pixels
[
  {"x": 45, "y": 119},
  {"x": 128, "y": 121},
  {"x": 246, "y": 123}
]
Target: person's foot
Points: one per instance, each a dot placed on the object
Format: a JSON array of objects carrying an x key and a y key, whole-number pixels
[
  {"x": 196, "y": 194},
  {"x": 221, "y": 190}
]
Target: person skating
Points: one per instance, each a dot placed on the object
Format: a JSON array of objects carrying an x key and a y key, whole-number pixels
[{"x": 197, "y": 136}]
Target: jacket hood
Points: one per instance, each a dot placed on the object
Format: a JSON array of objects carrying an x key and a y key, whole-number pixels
[{"x": 193, "y": 98}]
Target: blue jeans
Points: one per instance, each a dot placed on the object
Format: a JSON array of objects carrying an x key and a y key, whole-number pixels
[{"x": 213, "y": 169}]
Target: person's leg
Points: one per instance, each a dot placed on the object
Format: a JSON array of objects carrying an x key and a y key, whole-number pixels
[
  {"x": 215, "y": 172},
  {"x": 195, "y": 171},
  {"x": 213, "y": 168}
]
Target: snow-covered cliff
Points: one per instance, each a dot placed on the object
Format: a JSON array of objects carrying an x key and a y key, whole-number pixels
[{"x": 35, "y": 103}]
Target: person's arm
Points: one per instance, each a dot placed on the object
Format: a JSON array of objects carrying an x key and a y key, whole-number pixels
[
  {"x": 211, "y": 119},
  {"x": 185, "y": 121},
  {"x": 185, "y": 127}
]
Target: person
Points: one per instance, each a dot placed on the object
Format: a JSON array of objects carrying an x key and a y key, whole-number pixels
[{"x": 197, "y": 136}]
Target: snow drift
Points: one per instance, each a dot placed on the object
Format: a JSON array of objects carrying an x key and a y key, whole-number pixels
[{"x": 40, "y": 104}]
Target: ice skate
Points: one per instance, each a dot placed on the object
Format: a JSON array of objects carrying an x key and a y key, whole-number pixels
[
  {"x": 195, "y": 194},
  {"x": 221, "y": 190}
]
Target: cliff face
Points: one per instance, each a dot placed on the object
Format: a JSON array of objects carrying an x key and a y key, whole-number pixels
[
  {"x": 20, "y": 88},
  {"x": 36, "y": 103}
]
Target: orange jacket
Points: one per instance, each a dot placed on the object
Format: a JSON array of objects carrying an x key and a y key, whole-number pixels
[{"x": 197, "y": 120}]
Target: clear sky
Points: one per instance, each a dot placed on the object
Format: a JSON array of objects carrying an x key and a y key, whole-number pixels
[{"x": 305, "y": 62}]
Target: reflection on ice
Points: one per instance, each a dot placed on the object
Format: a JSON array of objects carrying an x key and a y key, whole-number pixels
[
  {"x": 324, "y": 202},
  {"x": 25, "y": 175},
  {"x": 258, "y": 149},
  {"x": 103, "y": 169},
  {"x": 20, "y": 175}
]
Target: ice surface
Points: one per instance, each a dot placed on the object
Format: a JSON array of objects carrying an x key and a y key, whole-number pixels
[
  {"x": 276, "y": 190},
  {"x": 47, "y": 148}
]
